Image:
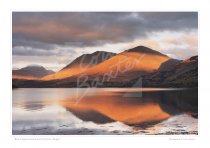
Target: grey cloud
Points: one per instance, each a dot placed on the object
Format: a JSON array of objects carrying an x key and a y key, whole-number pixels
[
  {"x": 172, "y": 20},
  {"x": 28, "y": 51},
  {"x": 82, "y": 29},
  {"x": 62, "y": 54},
  {"x": 18, "y": 40}
]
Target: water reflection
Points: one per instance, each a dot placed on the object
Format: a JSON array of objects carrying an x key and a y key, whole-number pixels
[
  {"x": 33, "y": 106},
  {"x": 133, "y": 107},
  {"x": 151, "y": 107}
]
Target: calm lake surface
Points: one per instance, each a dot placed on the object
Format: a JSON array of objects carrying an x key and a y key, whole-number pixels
[{"x": 77, "y": 111}]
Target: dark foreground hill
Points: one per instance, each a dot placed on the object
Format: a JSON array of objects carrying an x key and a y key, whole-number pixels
[{"x": 172, "y": 73}]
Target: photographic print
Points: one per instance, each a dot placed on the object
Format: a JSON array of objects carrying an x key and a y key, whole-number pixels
[{"x": 105, "y": 73}]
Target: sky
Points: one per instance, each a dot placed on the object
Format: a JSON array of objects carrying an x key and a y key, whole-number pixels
[{"x": 54, "y": 39}]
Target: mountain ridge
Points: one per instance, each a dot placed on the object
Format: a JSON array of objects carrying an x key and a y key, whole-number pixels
[{"x": 123, "y": 70}]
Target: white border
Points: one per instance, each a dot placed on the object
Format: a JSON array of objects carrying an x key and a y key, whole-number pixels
[{"x": 8, "y": 6}]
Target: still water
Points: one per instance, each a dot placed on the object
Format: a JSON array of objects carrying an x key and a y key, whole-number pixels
[{"x": 70, "y": 111}]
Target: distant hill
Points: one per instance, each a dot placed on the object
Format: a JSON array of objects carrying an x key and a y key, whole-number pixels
[{"x": 31, "y": 72}]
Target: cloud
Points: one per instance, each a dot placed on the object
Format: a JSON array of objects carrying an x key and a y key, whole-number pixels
[
  {"x": 28, "y": 51},
  {"x": 177, "y": 45},
  {"x": 19, "y": 41},
  {"x": 82, "y": 29}
]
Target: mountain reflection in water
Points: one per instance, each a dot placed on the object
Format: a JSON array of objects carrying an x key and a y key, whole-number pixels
[
  {"x": 134, "y": 107},
  {"x": 149, "y": 107}
]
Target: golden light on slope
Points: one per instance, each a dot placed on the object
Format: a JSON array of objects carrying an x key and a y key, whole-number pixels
[
  {"x": 121, "y": 63},
  {"x": 128, "y": 62},
  {"x": 65, "y": 73}
]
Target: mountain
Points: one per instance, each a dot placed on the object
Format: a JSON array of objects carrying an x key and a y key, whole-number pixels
[
  {"x": 174, "y": 73},
  {"x": 80, "y": 64},
  {"x": 139, "y": 65},
  {"x": 31, "y": 72},
  {"x": 122, "y": 67}
]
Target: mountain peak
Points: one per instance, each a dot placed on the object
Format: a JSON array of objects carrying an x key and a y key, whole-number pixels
[
  {"x": 91, "y": 59},
  {"x": 143, "y": 49},
  {"x": 101, "y": 52}
]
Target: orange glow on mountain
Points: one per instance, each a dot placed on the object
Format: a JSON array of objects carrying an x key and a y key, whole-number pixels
[
  {"x": 129, "y": 61},
  {"x": 121, "y": 63},
  {"x": 65, "y": 73}
]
